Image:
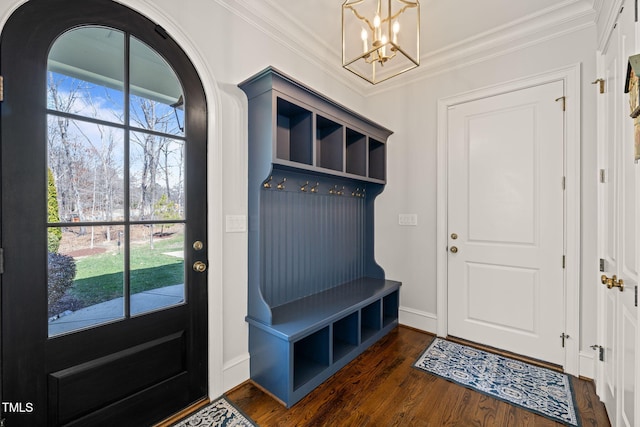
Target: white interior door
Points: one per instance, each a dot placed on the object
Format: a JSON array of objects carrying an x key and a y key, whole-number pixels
[
  {"x": 505, "y": 221},
  {"x": 618, "y": 218}
]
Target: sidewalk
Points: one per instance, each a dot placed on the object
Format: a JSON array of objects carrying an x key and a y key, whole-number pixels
[{"x": 109, "y": 311}]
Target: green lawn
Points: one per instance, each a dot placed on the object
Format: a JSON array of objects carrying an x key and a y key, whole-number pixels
[{"x": 99, "y": 278}]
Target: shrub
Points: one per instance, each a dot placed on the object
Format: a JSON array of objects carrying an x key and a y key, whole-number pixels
[
  {"x": 54, "y": 234},
  {"x": 62, "y": 271}
]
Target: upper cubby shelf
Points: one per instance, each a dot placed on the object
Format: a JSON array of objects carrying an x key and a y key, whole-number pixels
[{"x": 314, "y": 133}]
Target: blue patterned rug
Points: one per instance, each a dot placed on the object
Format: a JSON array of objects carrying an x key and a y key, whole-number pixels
[
  {"x": 539, "y": 390},
  {"x": 219, "y": 413}
]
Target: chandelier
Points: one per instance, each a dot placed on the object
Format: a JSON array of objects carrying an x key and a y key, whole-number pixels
[{"x": 380, "y": 38}]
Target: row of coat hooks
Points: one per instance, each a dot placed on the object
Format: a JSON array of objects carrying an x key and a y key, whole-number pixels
[{"x": 334, "y": 190}]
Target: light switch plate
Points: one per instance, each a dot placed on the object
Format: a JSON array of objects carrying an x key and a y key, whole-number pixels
[
  {"x": 236, "y": 223},
  {"x": 408, "y": 219}
]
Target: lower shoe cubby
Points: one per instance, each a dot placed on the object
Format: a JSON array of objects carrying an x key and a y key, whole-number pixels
[
  {"x": 371, "y": 320},
  {"x": 345, "y": 336},
  {"x": 310, "y": 357}
]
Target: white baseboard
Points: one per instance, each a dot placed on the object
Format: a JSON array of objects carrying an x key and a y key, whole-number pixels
[
  {"x": 586, "y": 368},
  {"x": 418, "y": 319},
  {"x": 235, "y": 372}
]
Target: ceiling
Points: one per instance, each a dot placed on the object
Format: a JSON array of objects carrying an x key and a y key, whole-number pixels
[{"x": 453, "y": 31}]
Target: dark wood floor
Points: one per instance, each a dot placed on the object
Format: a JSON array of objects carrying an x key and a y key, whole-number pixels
[{"x": 382, "y": 388}]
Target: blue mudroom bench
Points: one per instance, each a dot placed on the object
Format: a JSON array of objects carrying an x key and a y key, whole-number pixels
[{"x": 316, "y": 298}]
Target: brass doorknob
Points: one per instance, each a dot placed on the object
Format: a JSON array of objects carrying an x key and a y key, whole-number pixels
[
  {"x": 454, "y": 249},
  {"x": 199, "y": 266},
  {"x": 612, "y": 282}
]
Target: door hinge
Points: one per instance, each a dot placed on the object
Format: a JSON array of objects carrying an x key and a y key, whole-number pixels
[
  {"x": 600, "y": 351},
  {"x": 636, "y": 301},
  {"x": 603, "y": 176},
  {"x": 601, "y": 264},
  {"x": 564, "y": 261},
  {"x": 601, "y": 81},
  {"x": 1, "y": 267},
  {"x": 1, "y": 99},
  {"x": 564, "y": 337},
  {"x": 564, "y": 102},
  {"x": 564, "y": 182}
]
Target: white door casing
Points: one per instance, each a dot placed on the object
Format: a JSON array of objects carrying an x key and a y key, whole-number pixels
[
  {"x": 568, "y": 229},
  {"x": 617, "y": 374}
]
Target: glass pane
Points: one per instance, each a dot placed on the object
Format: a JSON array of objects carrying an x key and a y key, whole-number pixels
[
  {"x": 157, "y": 167},
  {"x": 85, "y": 277},
  {"x": 157, "y": 266},
  {"x": 86, "y": 73},
  {"x": 156, "y": 94},
  {"x": 86, "y": 168}
]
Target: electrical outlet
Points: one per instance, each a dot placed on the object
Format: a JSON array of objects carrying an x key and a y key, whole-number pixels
[{"x": 408, "y": 219}]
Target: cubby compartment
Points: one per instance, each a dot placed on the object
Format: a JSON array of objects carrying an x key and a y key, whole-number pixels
[
  {"x": 356, "y": 152},
  {"x": 310, "y": 357},
  {"x": 390, "y": 305},
  {"x": 370, "y": 320},
  {"x": 294, "y": 138},
  {"x": 376, "y": 159},
  {"x": 329, "y": 143},
  {"x": 345, "y": 336}
]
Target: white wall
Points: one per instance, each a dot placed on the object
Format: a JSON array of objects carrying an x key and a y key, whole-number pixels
[
  {"x": 408, "y": 254},
  {"x": 227, "y": 49}
]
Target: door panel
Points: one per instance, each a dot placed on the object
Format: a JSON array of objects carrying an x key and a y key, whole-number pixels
[
  {"x": 609, "y": 209},
  {"x": 617, "y": 239},
  {"x": 505, "y": 195},
  {"x": 113, "y": 145}
]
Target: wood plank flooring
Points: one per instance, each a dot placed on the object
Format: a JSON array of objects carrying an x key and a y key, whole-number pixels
[{"x": 382, "y": 388}]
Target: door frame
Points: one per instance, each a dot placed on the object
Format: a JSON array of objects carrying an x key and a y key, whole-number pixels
[{"x": 570, "y": 75}]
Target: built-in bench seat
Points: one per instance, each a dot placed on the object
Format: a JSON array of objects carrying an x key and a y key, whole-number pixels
[{"x": 313, "y": 337}]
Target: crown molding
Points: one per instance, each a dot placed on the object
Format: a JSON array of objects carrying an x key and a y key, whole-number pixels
[
  {"x": 607, "y": 17},
  {"x": 558, "y": 20},
  {"x": 272, "y": 20}
]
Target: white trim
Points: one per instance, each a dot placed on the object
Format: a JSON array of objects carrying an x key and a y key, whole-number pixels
[
  {"x": 418, "y": 319},
  {"x": 236, "y": 371},
  {"x": 587, "y": 365},
  {"x": 214, "y": 186},
  {"x": 571, "y": 77}
]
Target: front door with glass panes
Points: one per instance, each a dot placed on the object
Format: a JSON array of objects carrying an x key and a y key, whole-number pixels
[{"x": 103, "y": 151}]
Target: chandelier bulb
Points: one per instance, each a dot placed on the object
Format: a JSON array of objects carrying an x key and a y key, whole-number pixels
[{"x": 364, "y": 36}]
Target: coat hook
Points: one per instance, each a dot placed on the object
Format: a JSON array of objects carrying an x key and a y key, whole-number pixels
[
  {"x": 267, "y": 183},
  {"x": 280, "y": 185},
  {"x": 304, "y": 187},
  {"x": 314, "y": 189}
]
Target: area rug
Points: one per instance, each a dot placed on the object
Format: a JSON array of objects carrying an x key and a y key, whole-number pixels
[
  {"x": 219, "y": 413},
  {"x": 539, "y": 390}
]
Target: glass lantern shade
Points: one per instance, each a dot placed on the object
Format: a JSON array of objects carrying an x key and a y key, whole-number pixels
[{"x": 380, "y": 38}]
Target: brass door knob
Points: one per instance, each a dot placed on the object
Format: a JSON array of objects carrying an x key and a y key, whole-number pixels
[
  {"x": 612, "y": 282},
  {"x": 454, "y": 249},
  {"x": 199, "y": 266}
]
